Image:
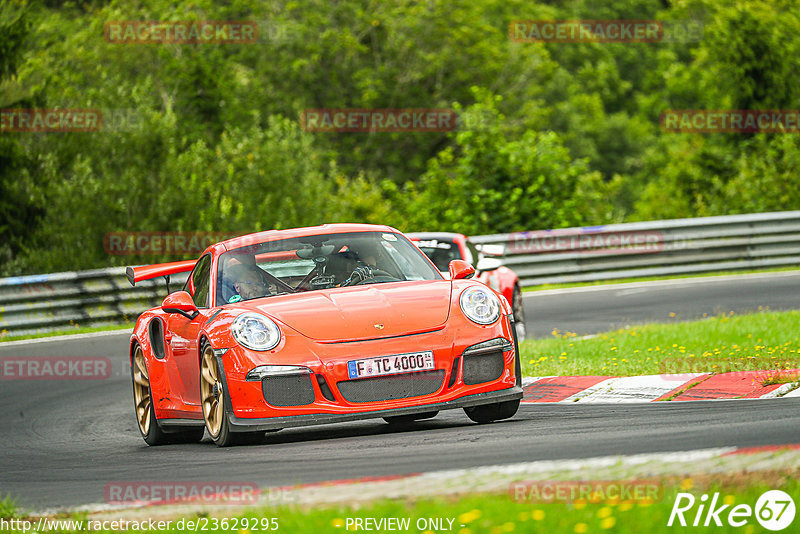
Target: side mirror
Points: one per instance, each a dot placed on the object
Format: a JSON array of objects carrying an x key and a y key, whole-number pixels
[
  {"x": 180, "y": 302},
  {"x": 488, "y": 264},
  {"x": 460, "y": 269}
]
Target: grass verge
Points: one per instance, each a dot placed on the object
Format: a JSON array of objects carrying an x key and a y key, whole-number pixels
[
  {"x": 66, "y": 332},
  {"x": 779, "y": 377},
  {"x": 8, "y": 507},
  {"x": 489, "y": 513},
  {"x": 762, "y": 341}
]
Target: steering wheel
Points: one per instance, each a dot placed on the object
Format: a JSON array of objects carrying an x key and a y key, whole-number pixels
[
  {"x": 379, "y": 278},
  {"x": 377, "y": 275}
]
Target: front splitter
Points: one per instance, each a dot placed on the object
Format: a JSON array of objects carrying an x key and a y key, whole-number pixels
[{"x": 244, "y": 424}]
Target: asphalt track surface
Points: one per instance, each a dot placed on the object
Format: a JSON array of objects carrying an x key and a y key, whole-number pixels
[
  {"x": 63, "y": 441},
  {"x": 589, "y": 310}
]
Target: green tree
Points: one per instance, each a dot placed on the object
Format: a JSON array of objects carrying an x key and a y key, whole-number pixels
[{"x": 492, "y": 182}]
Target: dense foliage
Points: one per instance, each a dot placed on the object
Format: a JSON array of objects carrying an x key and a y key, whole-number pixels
[{"x": 551, "y": 135}]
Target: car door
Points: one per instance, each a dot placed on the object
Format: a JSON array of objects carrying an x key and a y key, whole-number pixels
[{"x": 185, "y": 332}]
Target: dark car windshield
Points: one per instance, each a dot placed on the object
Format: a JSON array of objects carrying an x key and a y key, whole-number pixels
[
  {"x": 319, "y": 262},
  {"x": 440, "y": 251}
]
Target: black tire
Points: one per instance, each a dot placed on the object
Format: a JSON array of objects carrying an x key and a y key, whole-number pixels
[
  {"x": 147, "y": 423},
  {"x": 405, "y": 419},
  {"x": 517, "y": 358},
  {"x": 519, "y": 313},
  {"x": 486, "y": 413},
  {"x": 220, "y": 429}
]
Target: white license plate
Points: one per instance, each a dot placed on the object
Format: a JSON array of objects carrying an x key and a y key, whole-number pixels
[{"x": 390, "y": 365}]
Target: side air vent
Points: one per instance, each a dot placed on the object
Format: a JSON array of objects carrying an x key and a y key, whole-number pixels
[{"x": 156, "y": 332}]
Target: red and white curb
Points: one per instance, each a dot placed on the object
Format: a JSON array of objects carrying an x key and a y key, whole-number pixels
[
  {"x": 794, "y": 393},
  {"x": 648, "y": 388}
]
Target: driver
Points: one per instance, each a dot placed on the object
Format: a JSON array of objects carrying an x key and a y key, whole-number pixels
[
  {"x": 359, "y": 274},
  {"x": 247, "y": 282},
  {"x": 365, "y": 257}
]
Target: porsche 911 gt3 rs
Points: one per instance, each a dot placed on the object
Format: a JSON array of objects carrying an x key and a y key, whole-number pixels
[{"x": 288, "y": 328}]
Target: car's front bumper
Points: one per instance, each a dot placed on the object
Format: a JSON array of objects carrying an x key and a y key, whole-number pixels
[
  {"x": 244, "y": 424},
  {"x": 328, "y": 364}
]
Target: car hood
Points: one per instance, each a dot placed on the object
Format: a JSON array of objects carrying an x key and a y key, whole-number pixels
[{"x": 364, "y": 312}]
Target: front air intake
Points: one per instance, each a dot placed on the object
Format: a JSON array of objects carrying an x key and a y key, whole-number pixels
[
  {"x": 484, "y": 362},
  {"x": 291, "y": 390},
  {"x": 400, "y": 386},
  {"x": 480, "y": 368}
]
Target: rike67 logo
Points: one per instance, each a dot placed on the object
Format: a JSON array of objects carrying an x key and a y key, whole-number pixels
[{"x": 774, "y": 510}]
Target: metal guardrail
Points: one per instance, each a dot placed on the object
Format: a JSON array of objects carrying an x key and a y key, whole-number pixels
[
  {"x": 664, "y": 248},
  {"x": 38, "y": 303},
  {"x": 41, "y": 303}
]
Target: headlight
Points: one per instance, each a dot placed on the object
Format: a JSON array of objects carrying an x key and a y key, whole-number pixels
[
  {"x": 255, "y": 332},
  {"x": 480, "y": 305}
]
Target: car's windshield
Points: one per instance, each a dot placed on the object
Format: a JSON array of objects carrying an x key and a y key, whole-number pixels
[
  {"x": 318, "y": 262},
  {"x": 440, "y": 251}
]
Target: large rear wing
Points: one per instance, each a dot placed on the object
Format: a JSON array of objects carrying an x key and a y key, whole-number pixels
[{"x": 146, "y": 272}]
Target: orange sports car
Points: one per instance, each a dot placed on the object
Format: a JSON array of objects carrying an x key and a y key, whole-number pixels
[{"x": 288, "y": 328}]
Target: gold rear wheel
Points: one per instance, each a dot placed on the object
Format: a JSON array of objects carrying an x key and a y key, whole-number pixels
[
  {"x": 211, "y": 392},
  {"x": 141, "y": 392},
  {"x": 143, "y": 405}
]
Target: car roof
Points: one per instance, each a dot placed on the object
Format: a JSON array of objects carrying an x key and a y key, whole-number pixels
[
  {"x": 435, "y": 235},
  {"x": 337, "y": 228}
]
